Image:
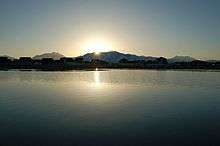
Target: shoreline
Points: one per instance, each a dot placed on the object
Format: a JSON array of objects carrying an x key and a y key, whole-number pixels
[{"x": 109, "y": 69}]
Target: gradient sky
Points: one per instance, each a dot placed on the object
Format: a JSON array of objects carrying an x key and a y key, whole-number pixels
[{"x": 145, "y": 27}]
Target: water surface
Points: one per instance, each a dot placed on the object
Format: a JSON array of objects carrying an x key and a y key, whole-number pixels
[{"x": 114, "y": 107}]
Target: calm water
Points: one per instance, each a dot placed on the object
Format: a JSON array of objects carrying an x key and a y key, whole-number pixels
[{"x": 115, "y": 107}]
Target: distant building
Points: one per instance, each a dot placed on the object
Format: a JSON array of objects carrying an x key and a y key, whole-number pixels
[
  {"x": 4, "y": 60},
  {"x": 25, "y": 59},
  {"x": 162, "y": 60},
  {"x": 46, "y": 61},
  {"x": 66, "y": 59}
]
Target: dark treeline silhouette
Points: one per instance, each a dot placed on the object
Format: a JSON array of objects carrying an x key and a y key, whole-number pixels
[{"x": 79, "y": 63}]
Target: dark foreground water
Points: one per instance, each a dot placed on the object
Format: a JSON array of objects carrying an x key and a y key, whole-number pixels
[{"x": 116, "y": 107}]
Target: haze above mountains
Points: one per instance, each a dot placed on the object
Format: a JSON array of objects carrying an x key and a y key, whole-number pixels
[{"x": 112, "y": 57}]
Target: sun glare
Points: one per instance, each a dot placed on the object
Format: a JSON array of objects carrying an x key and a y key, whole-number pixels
[
  {"x": 97, "y": 83},
  {"x": 96, "y": 46}
]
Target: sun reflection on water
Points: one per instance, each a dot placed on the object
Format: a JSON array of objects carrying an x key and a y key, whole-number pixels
[{"x": 97, "y": 81}]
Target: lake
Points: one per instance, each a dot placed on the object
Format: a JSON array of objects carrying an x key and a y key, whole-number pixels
[{"x": 112, "y": 107}]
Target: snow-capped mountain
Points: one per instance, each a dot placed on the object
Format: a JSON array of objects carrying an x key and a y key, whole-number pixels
[
  {"x": 181, "y": 59},
  {"x": 54, "y": 55},
  {"x": 115, "y": 57}
]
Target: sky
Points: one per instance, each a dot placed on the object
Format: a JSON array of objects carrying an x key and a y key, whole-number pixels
[{"x": 144, "y": 27}]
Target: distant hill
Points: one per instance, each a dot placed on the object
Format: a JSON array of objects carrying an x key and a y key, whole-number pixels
[
  {"x": 181, "y": 59},
  {"x": 9, "y": 57},
  {"x": 213, "y": 61},
  {"x": 54, "y": 55},
  {"x": 115, "y": 57}
]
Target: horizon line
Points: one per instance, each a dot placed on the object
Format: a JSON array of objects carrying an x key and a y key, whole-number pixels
[{"x": 17, "y": 57}]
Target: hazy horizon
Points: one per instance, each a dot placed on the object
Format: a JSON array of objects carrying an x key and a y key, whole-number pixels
[{"x": 142, "y": 27}]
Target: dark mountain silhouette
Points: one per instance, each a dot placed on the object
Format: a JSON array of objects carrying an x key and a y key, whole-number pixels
[
  {"x": 9, "y": 57},
  {"x": 115, "y": 57},
  {"x": 114, "y": 60},
  {"x": 213, "y": 61}
]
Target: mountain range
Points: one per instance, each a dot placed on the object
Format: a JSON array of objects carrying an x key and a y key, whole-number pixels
[
  {"x": 54, "y": 55},
  {"x": 112, "y": 57},
  {"x": 181, "y": 59},
  {"x": 9, "y": 57},
  {"x": 115, "y": 57}
]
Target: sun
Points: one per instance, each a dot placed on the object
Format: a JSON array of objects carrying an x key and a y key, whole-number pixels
[{"x": 97, "y": 46}]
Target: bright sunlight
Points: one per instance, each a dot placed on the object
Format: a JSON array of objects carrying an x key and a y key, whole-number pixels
[{"x": 97, "y": 46}]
